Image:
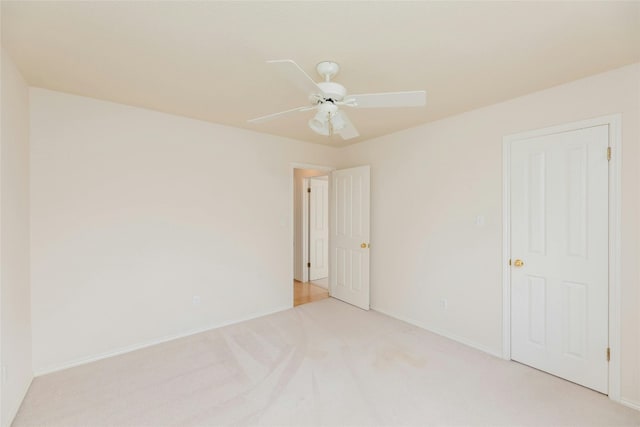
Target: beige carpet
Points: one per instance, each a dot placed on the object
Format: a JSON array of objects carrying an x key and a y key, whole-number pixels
[{"x": 324, "y": 363}]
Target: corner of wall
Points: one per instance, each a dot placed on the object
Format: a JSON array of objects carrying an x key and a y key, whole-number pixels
[{"x": 15, "y": 287}]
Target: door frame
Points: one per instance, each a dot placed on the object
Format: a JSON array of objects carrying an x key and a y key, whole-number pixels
[
  {"x": 292, "y": 167},
  {"x": 615, "y": 134}
]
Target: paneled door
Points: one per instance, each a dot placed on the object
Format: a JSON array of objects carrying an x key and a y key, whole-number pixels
[
  {"x": 349, "y": 239},
  {"x": 318, "y": 228},
  {"x": 559, "y": 255}
]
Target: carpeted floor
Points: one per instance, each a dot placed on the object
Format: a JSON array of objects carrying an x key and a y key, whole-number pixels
[{"x": 325, "y": 363}]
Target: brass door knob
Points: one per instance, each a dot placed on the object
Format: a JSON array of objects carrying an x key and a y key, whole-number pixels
[
  {"x": 363, "y": 245},
  {"x": 518, "y": 263}
]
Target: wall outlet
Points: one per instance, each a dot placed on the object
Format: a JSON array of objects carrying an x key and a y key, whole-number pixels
[
  {"x": 444, "y": 303},
  {"x": 196, "y": 300}
]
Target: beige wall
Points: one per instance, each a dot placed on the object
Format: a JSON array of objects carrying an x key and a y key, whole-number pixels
[
  {"x": 134, "y": 212},
  {"x": 15, "y": 307},
  {"x": 429, "y": 183}
]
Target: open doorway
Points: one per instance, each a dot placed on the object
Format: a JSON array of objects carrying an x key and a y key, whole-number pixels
[
  {"x": 349, "y": 234},
  {"x": 311, "y": 235}
]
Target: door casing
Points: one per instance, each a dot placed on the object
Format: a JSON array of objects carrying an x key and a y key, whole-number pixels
[{"x": 614, "y": 124}]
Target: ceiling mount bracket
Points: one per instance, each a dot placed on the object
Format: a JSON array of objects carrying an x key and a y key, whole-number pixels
[{"x": 327, "y": 69}]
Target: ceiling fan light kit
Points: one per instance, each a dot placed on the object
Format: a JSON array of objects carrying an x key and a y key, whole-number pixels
[
  {"x": 319, "y": 127},
  {"x": 337, "y": 122},
  {"x": 320, "y": 124},
  {"x": 327, "y": 120},
  {"x": 327, "y": 96}
]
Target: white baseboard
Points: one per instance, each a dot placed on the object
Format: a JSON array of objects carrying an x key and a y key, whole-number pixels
[
  {"x": 627, "y": 403},
  {"x": 443, "y": 333},
  {"x": 14, "y": 411},
  {"x": 630, "y": 404},
  {"x": 320, "y": 285},
  {"x": 145, "y": 344}
]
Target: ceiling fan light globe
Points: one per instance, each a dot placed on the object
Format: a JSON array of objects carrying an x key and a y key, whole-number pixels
[
  {"x": 319, "y": 126},
  {"x": 338, "y": 122},
  {"x": 321, "y": 116}
]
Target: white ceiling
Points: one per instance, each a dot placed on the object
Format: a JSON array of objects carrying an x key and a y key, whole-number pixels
[{"x": 206, "y": 60}]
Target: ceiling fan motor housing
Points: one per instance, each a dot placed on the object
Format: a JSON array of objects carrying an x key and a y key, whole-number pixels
[{"x": 332, "y": 91}]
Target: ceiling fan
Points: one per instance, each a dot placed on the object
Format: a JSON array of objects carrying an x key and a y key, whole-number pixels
[{"x": 327, "y": 97}]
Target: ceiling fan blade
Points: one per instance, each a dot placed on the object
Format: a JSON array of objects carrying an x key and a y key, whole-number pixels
[
  {"x": 281, "y": 113},
  {"x": 349, "y": 130},
  {"x": 292, "y": 71},
  {"x": 416, "y": 98}
]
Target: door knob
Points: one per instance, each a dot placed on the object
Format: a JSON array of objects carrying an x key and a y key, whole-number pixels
[
  {"x": 518, "y": 263},
  {"x": 363, "y": 245}
]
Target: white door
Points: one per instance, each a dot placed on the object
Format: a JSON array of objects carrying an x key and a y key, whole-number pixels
[
  {"x": 559, "y": 231},
  {"x": 349, "y": 241},
  {"x": 318, "y": 228}
]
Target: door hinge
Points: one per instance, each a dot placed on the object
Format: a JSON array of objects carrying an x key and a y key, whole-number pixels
[
  {"x": 608, "y": 153},
  {"x": 309, "y": 264},
  {"x": 608, "y": 354},
  {"x": 309, "y": 190}
]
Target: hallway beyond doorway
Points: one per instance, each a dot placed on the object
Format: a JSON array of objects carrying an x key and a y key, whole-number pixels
[{"x": 304, "y": 293}]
